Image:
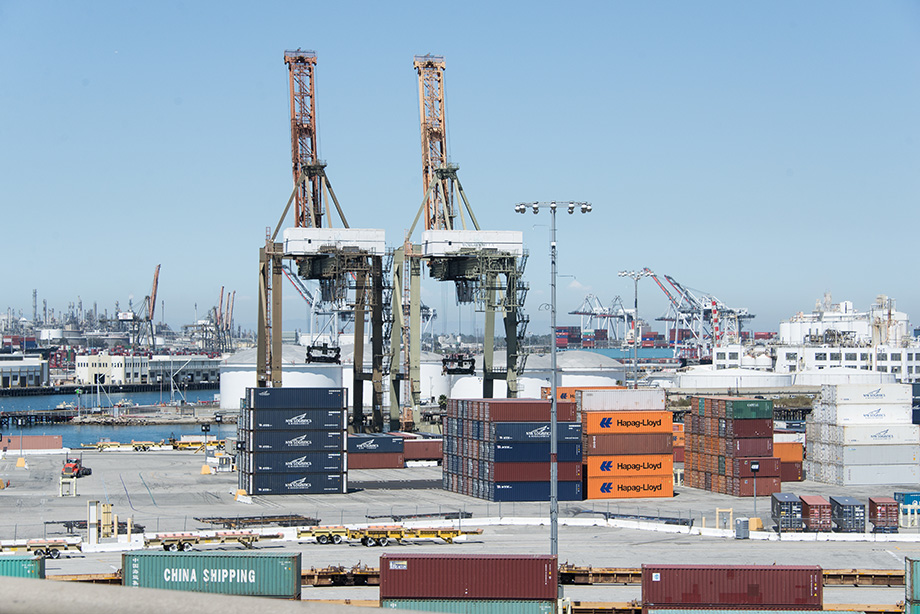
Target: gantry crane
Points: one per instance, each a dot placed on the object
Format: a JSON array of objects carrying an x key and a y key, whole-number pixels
[
  {"x": 347, "y": 262},
  {"x": 609, "y": 317},
  {"x": 485, "y": 266},
  {"x": 709, "y": 320}
]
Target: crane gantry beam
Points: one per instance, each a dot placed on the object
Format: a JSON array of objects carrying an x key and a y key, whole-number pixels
[{"x": 308, "y": 211}]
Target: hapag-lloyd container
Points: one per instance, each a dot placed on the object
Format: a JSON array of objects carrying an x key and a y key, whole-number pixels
[
  {"x": 881, "y": 394},
  {"x": 472, "y": 606},
  {"x": 287, "y": 419},
  {"x": 468, "y": 576},
  {"x": 620, "y": 400},
  {"x": 297, "y": 398},
  {"x": 23, "y": 566},
  {"x": 636, "y": 487},
  {"x": 639, "y": 443},
  {"x": 630, "y": 465},
  {"x": 774, "y": 586},
  {"x": 614, "y": 422},
  {"x": 533, "y": 431},
  {"x": 260, "y": 574}
]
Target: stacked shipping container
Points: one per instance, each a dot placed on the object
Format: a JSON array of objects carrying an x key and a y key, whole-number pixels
[
  {"x": 499, "y": 449},
  {"x": 791, "y": 455},
  {"x": 816, "y": 513},
  {"x": 292, "y": 441},
  {"x": 724, "y": 436},
  {"x": 848, "y": 515},
  {"x": 862, "y": 434},
  {"x": 912, "y": 596},
  {"x": 376, "y": 451},
  {"x": 787, "y": 512},
  {"x": 628, "y": 443}
]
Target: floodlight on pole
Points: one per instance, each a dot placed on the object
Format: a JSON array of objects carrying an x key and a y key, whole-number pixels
[
  {"x": 635, "y": 276},
  {"x": 571, "y": 206}
]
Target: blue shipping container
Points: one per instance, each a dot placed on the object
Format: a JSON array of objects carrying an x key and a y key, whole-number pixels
[
  {"x": 305, "y": 462},
  {"x": 532, "y": 491},
  {"x": 297, "y": 398},
  {"x": 364, "y": 443},
  {"x": 521, "y": 452},
  {"x": 295, "y": 483},
  {"x": 534, "y": 431},
  {"x": 907, "y": 498},
  {"x": 286, "y": 441},
  {"x": 289, "y": 419}
]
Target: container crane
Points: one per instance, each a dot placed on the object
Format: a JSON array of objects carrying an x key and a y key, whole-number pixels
[
  {"x": 486, "y": 267},
  {"x": 595, "y": 315}
]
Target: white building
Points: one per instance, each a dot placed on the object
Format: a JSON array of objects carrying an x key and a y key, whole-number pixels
[
  {"x": 107, "y": 369},
  {"x": 21, "y": 371},
  {"x": 190, "y": 369}
]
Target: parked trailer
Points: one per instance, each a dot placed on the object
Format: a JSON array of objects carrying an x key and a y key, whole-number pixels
[
  {"x": 380, "y": 535},
  {"x": 45, "y": 548},
  {"x": 174, "y": 542}
]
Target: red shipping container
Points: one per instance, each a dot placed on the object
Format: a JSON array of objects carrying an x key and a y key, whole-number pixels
[
  {"x": 816, "y": 513},
  {"x": 746, "y": 448},
  {"x": 744, "y": 586},
  {"x": 526, "y": 410},
  {"x": 423, "y": 449},
  {"x": 468, "y": 576},
  {"x": 535, "y": 472},
  {"x": 634, "y": 443},
  {"x": 378, "y": 460},
  {"x": 744, "y": 487},
  {"x": 790, "y": 472},
  {"x": 769, "y": 467},
  {"x": 745, "y": 429},
  {"x": 679, "y": 454},
  {"x": 12, "y": 443},
  {"x": 883, "y": 511}
]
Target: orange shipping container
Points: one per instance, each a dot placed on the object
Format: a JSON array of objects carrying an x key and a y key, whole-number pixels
[
  {"x": 788, "y": 452},
  {"x": 632, "y": 465},
  {"x": 567, "y": 393},
  {"x": 603, "y": 422},
  {"x": 630, "y": 488}
]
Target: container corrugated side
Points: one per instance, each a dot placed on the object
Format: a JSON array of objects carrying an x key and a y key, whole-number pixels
[
  {"x": 630, "y": 487},
  {"x": 468, "y": 576},
  {"x": 260, "y": 574},
  {"x": 295, "y": 483},
  {"x": 286, "y": 441},
  {"x": 472, "y": 606},
  {"x": 640, "y": 443},
  {"x": 627, "y": 400},
  {"x": 911, "y": 569},
  {"x": 533, "y": 431},
  {"x": 723, "y": 585},
  {"x": 287, "y": 419},
  {"x": 378, "y": 443},
  {"x": 286, "y": 462},
  {"x": 531, "y": 491},
  {"x": 883, "y": 394},
  {"x": 297, "y": 398},
  {"x": 22, "y": 566}
]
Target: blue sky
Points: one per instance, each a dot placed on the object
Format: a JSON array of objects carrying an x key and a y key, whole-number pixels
[{"x": 763, "y": 152}]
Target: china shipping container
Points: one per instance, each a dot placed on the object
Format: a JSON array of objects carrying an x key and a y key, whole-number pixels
[
  {"x": 533, "y": 431},
  {"x": 375, "y": 443},
  {"x": 294, "y": 483},
  {"x": 533, "y": 472},
  {"x": 23, "y": 566},
  {"x": 640, "y": 443},
  {"x": 284, "y": 441},
  {"x": 377, "y": 460},
  {"x": 288, "y": 419},
  {"x": 286, "y": 462},
  {"x": 613, "y": 422},
  {"x": 468, "y": 576},
  {"x": 257, "y": 574},
  {"x": 629, "y": 487},
  {"x": 816, "y": 513},
  {"x": 531, "y": 491},
  {"x": 472, "y": 606},
  {"x": 746, "y": 586},
  {"x": 297, "y": 398},
  {"x": 631, "y": 465}
]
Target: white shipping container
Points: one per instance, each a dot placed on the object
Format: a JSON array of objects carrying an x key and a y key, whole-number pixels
[
  {"x": 880, "y": 394},
  {"x": 867, "y": 454},
  {"x": 788, "y": 437},
  {"x": 881, "y": 434},
  {"x": 865, "y": 414},
  {"x": 845, "y": 475},
  {"x": 620, "y": 400}
]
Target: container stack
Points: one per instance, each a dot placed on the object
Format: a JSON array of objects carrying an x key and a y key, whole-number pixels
[
  {"x": 848, "y": 515},
  {"x": 787, "y": 512},
  {"x": 791, "y": 455},
  {"x": 912, "y": 584},
  {"x": 862, "y": 434},
  {"x": 499, "y": 449},
  {"x": 376, "y": 451},
  {"x": 469, "y": 583},
  {"x": 816, "y": 514},
  {"x": 292, "y": 441},
  {"x": 884, "y": 513},
  {"x": 729, "y": 587},
  {"x": 628, "y": 443},
  {"x": 678, "y": 441},
  {"x": 724, "y": 436}
]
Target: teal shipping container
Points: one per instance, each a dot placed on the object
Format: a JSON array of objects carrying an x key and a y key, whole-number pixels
[
  {"x": 911, "y": 569},
  {"x": 912, "y": 607},
  {"x": 749, "y": 409},
  {"x": 255, "y": 574},
  {"x": 22, "y": 566},
  {"x": 743, "y": 611},
  {"x": 472, "y": 606}
]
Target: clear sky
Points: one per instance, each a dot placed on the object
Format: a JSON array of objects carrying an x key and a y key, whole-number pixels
[{"x": 766, "y": 152}]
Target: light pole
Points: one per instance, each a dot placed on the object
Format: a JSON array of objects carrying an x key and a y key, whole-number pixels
[
  {"x": 553, "y": 427},
  {"x": 635, "y": 276},
  {"x": 755, "y": 467}
]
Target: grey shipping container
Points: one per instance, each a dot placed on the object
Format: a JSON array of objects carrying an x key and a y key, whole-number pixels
[
  {"x": 287, "y": 462},
  {"x": 534, "y": 431},
  {"x": 288, "y": 419},
  {"x": 472, "y": 606},
  {"x": 369, "y": 443},
  {"x": 285, "y": 441},
  {"x": 259, "y": 574},
  {"x": 297, "y": 398},
  {"x": 23, "y": 566},
  {"x": 295, "y": 483}
]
